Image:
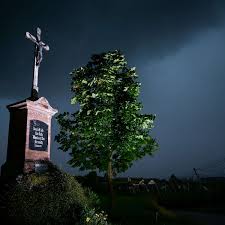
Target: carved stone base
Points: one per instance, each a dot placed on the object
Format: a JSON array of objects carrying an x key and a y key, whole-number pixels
[{"x": 29, "y": 135}]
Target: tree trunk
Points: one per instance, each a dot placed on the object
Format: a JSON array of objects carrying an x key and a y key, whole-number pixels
[{"x": 110, "y": 185}]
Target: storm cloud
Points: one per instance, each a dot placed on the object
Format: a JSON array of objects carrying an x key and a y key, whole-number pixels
[
  {"x": 177, "y": 46},
  {"x": 143, "y": 30}
]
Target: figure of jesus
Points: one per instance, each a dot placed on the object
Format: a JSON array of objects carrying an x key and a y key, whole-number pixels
[{"x": 38, "y": 55}]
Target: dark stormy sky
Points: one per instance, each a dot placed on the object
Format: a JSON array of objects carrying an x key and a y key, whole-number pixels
[{"x": 178, "y": 48}]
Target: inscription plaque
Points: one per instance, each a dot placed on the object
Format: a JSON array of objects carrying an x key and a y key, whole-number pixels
[{"x": 38, "y": 137}]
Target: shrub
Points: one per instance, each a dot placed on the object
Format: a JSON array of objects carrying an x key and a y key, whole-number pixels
[
  {"x": 49, "y": 198},
  {"x": 94, "y": 200}
]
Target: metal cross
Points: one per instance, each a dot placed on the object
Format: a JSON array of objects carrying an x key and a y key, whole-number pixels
[{"x": 39, "y": 46}]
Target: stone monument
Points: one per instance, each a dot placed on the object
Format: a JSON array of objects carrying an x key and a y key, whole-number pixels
[{"x": 29, "y": 135}]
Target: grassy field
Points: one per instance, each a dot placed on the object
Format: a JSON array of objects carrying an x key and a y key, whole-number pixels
[{"x": 142, "y": 209}]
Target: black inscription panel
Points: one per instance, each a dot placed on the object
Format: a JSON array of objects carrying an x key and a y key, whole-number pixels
[{"x": 38, "y": 139}]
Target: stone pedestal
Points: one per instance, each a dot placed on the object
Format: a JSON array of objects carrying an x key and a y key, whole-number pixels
[{"x": 29, "y": 136}]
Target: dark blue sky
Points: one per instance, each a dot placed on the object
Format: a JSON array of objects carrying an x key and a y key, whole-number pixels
[{"x": 178, "y": 48}]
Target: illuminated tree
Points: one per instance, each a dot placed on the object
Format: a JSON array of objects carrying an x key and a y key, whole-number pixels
[{"x": 107, "y": 132}]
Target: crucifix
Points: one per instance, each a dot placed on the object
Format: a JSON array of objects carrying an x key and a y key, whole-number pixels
[{"x": 38, "y": 55}]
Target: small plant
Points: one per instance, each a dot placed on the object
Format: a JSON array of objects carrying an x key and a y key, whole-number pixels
[
  {"x": 91, "y": 217},
  {"x": 93, "y": 198}
]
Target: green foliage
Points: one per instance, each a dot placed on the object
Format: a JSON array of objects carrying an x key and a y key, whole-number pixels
[
  {"x": 108, "y": 126},
  {"x": 53, "y": 197},
  {"x": 94, "y": 200},
  {"x": 91, "y": 217}
]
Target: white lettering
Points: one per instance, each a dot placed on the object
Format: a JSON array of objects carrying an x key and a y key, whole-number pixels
[
  {"x": 36, "y": 128},
  {"x": 38, "y": 146},
  {"x": 38, "y": 142}
]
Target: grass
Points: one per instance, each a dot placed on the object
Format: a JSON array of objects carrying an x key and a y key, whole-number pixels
[{"x": 142, "y": 209}]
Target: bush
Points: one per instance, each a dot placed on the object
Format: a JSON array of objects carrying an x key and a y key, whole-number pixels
[
  {"x": 94, "y": 200},
  {"x": 49, "y": 198}
]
